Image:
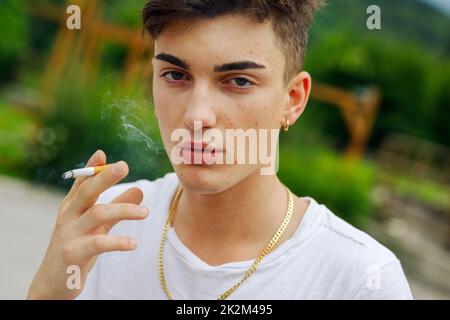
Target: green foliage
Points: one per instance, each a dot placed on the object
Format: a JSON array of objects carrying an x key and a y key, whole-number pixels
[
  {"x": 413, "y": 82},
  {"x": 405, "y": 21},
  {"x": 433, "y": 194},
  {"x": 407, "y": 59},
  {"x": 16, "y": 129},
  {"x": 343, "y": 186},
  {"x": 126, "y": 13},
  {"x": 13, "y": 36}
]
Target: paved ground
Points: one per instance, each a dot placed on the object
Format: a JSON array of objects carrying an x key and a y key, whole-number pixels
[{"x": 27, "y": 215}]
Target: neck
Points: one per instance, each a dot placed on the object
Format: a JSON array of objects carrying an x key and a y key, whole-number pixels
[{"x": 247, "y": 214}]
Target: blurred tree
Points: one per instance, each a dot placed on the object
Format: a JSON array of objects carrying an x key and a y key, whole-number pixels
[{"x": 411, "y": 80}]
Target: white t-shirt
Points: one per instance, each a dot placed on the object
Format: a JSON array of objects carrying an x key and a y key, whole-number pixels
[{"x": 326, "y": 258}]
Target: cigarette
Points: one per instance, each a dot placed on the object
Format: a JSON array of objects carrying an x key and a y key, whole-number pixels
[{"x": 83, "y": 172}]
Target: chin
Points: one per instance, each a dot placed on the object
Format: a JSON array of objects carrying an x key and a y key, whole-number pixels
[
  {"x": 210, "y": 179},
  {"x": 203, "y": 179}
]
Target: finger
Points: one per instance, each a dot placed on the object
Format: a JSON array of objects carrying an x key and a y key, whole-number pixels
[
  {"x": 132, "y": 195},
  {"x": 109, "y": 214},
  {"x": 87, "y": 248},
  {"x": 97, "y": 159},
  {"x": 89, "y": 191}
]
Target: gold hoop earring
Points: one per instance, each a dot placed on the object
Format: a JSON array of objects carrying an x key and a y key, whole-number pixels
[{"x": 286, "y": 125}]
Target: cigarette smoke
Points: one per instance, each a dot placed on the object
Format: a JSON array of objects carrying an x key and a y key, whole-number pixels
[{"x": 134, "y": 127}]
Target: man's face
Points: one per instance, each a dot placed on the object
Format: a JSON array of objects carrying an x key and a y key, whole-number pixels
[{"x": 206, "y": 88}]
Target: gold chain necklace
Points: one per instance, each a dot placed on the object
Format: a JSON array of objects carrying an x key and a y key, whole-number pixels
[{"x": 249, "y": 272}]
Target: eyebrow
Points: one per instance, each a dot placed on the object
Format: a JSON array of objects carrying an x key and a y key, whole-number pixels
[{"x": 238, "y": 65}]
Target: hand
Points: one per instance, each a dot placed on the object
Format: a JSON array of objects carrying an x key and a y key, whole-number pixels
[{"x": 81, "y": 230}]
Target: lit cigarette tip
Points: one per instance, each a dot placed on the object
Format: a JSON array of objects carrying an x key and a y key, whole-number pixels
[{"x": 67, "y": 175}]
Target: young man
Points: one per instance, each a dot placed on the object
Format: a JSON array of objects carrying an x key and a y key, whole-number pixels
[{"x": 215, "y": 230}]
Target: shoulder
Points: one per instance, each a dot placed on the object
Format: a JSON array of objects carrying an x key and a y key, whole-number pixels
[
  {"x": 343, "y": 234},
  {"x": 341, "y": 240},
  {"x": 376, "y": 271}
]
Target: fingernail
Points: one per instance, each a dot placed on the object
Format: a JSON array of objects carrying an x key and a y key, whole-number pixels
[
  {"x": 132, "y": 243},
  {"x": 143, "y": 211},
  {"x": 117, "y": 167},
  {"x": 92, "y": 159}
]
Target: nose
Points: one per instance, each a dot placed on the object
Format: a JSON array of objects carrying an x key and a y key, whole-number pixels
[{"x": 201, "y": 106}]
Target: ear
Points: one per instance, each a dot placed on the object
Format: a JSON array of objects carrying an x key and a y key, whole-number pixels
[{"x": 298, "y": 94}]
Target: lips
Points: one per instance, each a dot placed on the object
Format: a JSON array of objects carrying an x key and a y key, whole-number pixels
[
  {"x": 198, "y": 153},
  {"x": 199, "y": 146}
]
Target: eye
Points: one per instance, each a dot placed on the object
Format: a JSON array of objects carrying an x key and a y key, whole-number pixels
[
  {"x": 242, "y": 82},
  {"x": 174, "y": 75}
]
